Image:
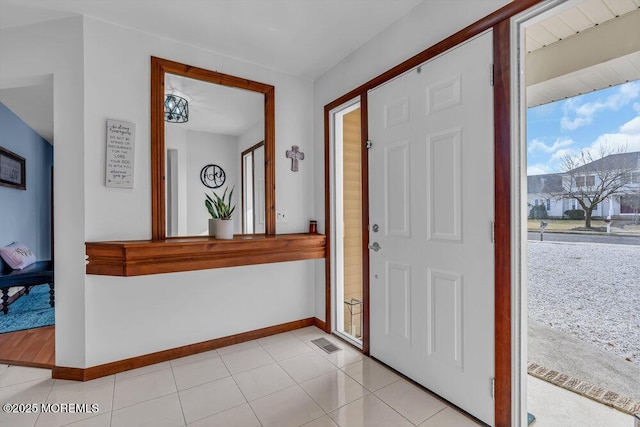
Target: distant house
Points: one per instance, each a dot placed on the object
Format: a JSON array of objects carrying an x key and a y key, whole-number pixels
[
  {"x": 624, "y": 203},
  {"x": 540, "y": 190}
]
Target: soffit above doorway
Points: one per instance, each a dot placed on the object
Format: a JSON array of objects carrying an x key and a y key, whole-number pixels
[
  {"x": 583, "y": 48},
  {"x": 574, "y": 20}
]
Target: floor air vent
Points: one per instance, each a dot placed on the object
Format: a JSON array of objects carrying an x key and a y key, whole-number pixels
[{"x": 326, "y": 345}]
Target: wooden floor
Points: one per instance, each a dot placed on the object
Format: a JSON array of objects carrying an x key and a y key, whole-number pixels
[{"x": 33, "y": 347}]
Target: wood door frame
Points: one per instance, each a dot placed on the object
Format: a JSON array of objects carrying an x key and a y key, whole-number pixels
[{"x": 499, "y": 22}]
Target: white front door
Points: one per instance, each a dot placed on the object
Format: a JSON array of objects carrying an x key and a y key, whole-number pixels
[{"x": 431, "y": 202}]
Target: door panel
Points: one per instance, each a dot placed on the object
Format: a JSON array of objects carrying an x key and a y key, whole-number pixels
[
  {"x": 431, "y": 193},
  {"x": 444, "y": 188},
  {"x": 444, "y": 322},
  {"x": 398, "y": 298},
  {"x": 396, "y": 180}
]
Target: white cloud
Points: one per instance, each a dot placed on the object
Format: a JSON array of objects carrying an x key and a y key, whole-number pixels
[
  {"x": 615, "y": 141},
  {"x": 630, "y": 90},
  {"x": 538, "y": 145},
  {"x": 561, "y": 153},
  {"x": 628, "y": 139},
  {"x": 568, "y": 124},
  {"x": 577, "y": 115},
  {"x": 632, "y": 127},
  {"x": 539, "y": 169}
]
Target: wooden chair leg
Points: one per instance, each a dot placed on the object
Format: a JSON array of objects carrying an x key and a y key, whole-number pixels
[
  {"x": 52, "y": 299},
  {"x": 5, "y": 300}
]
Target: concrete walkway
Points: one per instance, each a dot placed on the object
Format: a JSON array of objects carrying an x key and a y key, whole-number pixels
[
  {"x": 618, "y": 239},
  {"x": 569, "y": 355}
]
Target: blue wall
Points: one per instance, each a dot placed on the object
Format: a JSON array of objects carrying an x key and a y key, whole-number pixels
[{"x": 25, "y": 216}]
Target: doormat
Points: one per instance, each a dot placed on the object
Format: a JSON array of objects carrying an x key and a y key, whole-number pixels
[
  {"x": 586, "y": 389},
  {"x": 28, "y": 311},
  {"x": 326, "y": 345}
]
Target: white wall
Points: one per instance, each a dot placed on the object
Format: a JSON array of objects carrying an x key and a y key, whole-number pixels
[
  {"x": 107, "y": 47},
  {"x": 55, "y": 48},
  {"x": 25, "y": 216},
  {"x": 132, "y": 316},
  {"x": 206, "y": 148},
  {"x": 251, "y": 136},
  {"x": 102, "y": 71},
  {"x": 143, "y": 314},
  {"x": 426, "y": 24},
  {"x": 176, "y": 138}
]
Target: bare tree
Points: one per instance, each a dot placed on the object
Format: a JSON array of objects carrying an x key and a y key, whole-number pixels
[{"x": 591, "y": 181}]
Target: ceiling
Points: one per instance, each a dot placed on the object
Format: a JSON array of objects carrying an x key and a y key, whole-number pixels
[
  {"x": 324, "y": 31},
  {"x": 32, "y": 101},
  {"x": 570, "y": 33},
  {"x": 215, "y": 108},
  {"x": 299, "y": 37}
]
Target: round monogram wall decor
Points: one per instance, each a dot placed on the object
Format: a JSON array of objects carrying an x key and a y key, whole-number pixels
[{"x": 212, "y": 176}]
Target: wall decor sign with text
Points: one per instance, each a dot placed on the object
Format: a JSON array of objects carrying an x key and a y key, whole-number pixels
[
  {"x": 13, "y": 171},
  {"x": 212, "y": 176},
  {"x": 121, "y": 141}
]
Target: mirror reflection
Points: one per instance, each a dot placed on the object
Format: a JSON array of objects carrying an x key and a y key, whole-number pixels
[{"x": 214, "y": 140}]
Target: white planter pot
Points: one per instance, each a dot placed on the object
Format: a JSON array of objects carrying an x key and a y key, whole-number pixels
[
  {"x": 212, "y": 227},
  {"x": 223, "y": 228}
]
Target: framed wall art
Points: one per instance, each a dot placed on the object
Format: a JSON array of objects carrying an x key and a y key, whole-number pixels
[
  {"x": 12, "y": 170},
  {"x": 121, "y": 139}
]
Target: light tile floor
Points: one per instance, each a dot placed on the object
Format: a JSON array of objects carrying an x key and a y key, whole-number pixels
[{"x": 282, "y": 380}]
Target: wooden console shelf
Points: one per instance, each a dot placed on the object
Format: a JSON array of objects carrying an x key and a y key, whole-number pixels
[{"x": 140, "y": 257}]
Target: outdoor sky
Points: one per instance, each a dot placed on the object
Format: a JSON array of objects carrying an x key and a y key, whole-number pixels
[{"x": 610, "y": 116}]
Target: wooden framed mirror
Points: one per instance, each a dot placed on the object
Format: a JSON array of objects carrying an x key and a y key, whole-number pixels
[{"x": 163, "y": 71}]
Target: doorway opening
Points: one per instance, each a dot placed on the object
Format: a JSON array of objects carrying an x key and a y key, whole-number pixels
[
  {"x": 347, "y": 252},
  {"x": 252, "y": 167},
  {"x": 572, "y": 116},
  {"x": 27, "y": 311}
]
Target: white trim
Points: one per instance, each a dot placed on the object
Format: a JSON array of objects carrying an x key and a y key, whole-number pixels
[
  {"x": 417, "y": 67},
  {"x": 519, "y": 203},
  {"x": 337, "y": 234},
  {"x": 349, "y": 338}
]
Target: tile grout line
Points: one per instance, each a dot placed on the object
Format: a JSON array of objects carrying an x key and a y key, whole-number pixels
[
  {"x": 314, "y": 401},
  {"x": 98, "y": 413},
  {"x": 44, "y": 401},
  {"x": 392, "y": 408},
  {"x": 26, "y": 381},
  {"x": 373, "y": 393},
  {"x": 295, "y": 382},
  {"x": 389, "y": 405},
  {"x": 241, "y": 392},
  {"x": 113, "y": 409},
  {"x": 184, "y": 418},
  {"x": 113, "y": 400},
  {"x": 443, "y": 409}
]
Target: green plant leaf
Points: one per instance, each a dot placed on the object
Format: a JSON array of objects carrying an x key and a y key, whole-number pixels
[{"x": 220, "y": 207}]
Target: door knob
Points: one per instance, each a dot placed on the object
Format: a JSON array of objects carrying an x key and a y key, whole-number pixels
[{"x": 374, "y": 246}]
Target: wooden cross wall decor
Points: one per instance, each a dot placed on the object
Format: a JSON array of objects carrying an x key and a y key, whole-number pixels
[{"x": 295, "y": 154}]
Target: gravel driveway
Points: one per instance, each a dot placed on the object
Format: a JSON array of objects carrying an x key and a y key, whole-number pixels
[{"x": 588, "y": 290}]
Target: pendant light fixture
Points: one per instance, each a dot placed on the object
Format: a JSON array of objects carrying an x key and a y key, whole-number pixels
[{"x": 176, "y": 109}]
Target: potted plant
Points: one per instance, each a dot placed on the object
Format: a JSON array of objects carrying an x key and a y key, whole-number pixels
[{"x": 220, "y": 209}]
